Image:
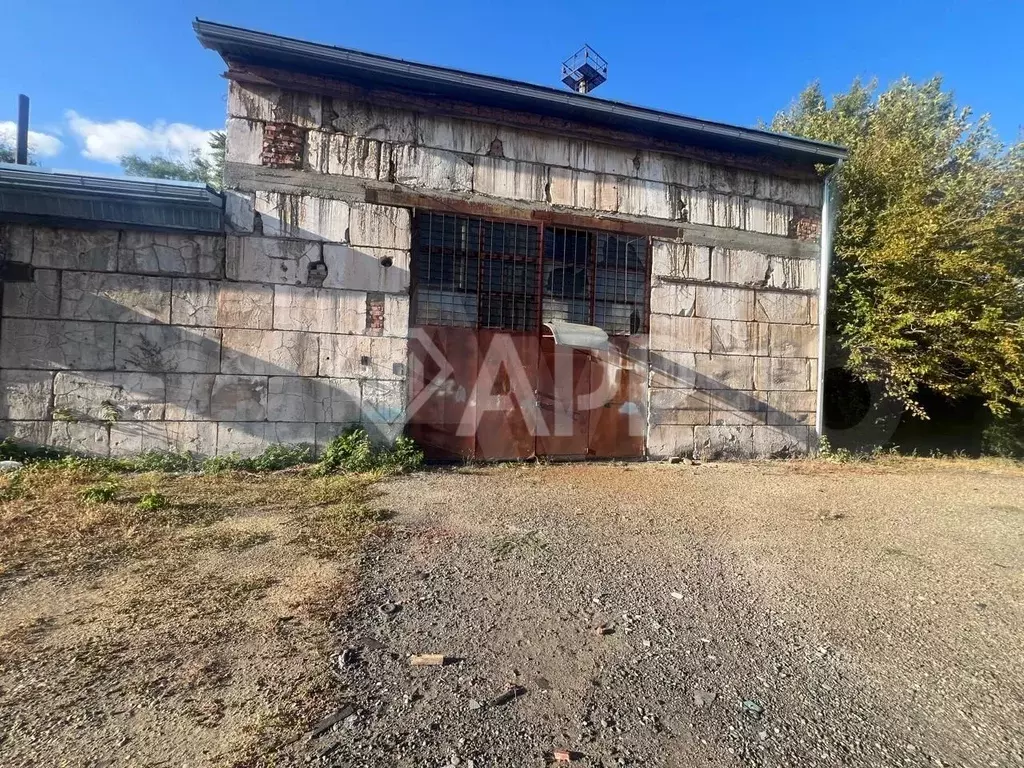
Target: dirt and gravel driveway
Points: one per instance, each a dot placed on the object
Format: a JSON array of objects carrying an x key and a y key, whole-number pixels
[{"x": 788, "y": 614}]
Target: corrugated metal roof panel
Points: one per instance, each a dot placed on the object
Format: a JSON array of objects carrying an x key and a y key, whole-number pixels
[{"x": 61, "y": 198}]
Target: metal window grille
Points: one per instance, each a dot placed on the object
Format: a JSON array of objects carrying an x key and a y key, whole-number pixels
[
  {"x": 476, "y": 273},
  {"x": 596, "y": 278}
]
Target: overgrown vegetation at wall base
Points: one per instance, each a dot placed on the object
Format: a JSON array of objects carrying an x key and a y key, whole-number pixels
[
  {"x": 275, "y": 457},
  {"x": 928, "y": 288},
  {"x": 354, "y": 451}
]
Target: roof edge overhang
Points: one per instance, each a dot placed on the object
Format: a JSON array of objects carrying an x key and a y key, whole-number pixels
[
  {"x": 33, "y": 195},
  {"x": 240, "y": 45}
]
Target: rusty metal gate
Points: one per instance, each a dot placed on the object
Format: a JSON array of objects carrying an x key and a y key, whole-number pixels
[{"x": 486, "y": 380}]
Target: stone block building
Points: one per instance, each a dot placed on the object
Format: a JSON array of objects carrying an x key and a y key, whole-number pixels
[{"x": 417, "y": 249}]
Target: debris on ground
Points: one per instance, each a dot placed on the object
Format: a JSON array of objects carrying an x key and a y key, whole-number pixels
[
  {"x": 427, "y": 660},
  {"x": 508, "y": 696},
  {"x": 717, "y": 602},
  {"x": 751, "y": 707},
  {"x": 349, "y": 657},
  {"x": 331, "y": 720}
]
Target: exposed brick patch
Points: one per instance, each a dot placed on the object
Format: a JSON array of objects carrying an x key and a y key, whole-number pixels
[
  {"x": 806, "y": 225},
  {"x": 282, "y": 145},
  {"x": 375, "y": 314}
]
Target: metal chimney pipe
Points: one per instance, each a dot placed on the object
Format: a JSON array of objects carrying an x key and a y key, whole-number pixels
[{"x": 22, "y": 147}]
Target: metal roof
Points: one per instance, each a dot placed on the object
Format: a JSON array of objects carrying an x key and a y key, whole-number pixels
[
  {"x": 236, "y": 44},
  {"x": 64, "y": 198}
]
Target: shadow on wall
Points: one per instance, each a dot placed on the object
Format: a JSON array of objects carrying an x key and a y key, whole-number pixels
[
  {"x": 681, "y": 397},
  {"x": 117, "y": 377},
  {"x": 215, "y": 365}
]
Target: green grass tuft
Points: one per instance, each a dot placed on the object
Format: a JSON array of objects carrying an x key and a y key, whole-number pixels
[
  {"x": 354, "y": 451},
  {"x": 101, "y": 493},
  {"x": 152, "y": 500}
]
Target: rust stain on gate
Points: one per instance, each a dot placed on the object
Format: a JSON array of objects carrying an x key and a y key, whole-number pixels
[{"x": 486, "y": 381}]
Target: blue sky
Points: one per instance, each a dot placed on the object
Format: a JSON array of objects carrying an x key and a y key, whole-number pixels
[{"x": 107, "y": 76}]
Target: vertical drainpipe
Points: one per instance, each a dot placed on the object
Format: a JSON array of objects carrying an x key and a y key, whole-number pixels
[{"x": 829, "y": 205}]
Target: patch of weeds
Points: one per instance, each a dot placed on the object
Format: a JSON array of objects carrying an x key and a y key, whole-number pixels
[
  {"x": 469, "y": 467},
  {"x": 101, "y": 493},
  {"x": 12, "y": 486},
  {"x": 12, "y": 451},
  {"x": 845, "y": 456},
  {"x": 1004, "y": 436},
  {"x": 354, "y": 451},
  {"x": 275, "y": 457},
  {"x": 835, "y": 455},
  {"x": 111, "y": 413},
  {"x": 152, "y": 500},
  {"x": 159, "y": 461}
]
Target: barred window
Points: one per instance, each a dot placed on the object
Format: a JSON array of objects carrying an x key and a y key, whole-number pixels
[
  {"x": 476, "y": 273},
  {"x": 595, "y": 278}
]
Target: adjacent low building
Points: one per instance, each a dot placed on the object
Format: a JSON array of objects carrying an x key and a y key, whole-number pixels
[{"x": 501, "y": 270}]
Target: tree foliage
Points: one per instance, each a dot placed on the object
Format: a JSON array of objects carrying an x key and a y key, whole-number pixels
[
  {"x": 8, "y": 154},
  {"x": 928, "y": 287},
  {"x": 207, "y": 170}
]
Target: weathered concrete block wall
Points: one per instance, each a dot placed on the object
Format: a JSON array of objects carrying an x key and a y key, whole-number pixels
[
  {"x": 294, "y": 324},
  {"x": 127, "y": 341},
  {"x": 733, "y": 346},
  {"x": 734, "y": 317}
]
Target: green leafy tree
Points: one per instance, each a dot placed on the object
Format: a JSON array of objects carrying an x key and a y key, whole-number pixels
[
  {"x": 195, "y": 168},
  {"x": 928, "y": 288},
  {"x": 218, "y": 148},
  {"x": 9, "y": 155}
]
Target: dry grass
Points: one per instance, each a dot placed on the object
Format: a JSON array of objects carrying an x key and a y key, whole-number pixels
[{"x": 198, "y": 632}]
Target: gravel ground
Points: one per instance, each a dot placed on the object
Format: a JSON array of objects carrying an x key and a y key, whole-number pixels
[{"x": 786, "y": 614}]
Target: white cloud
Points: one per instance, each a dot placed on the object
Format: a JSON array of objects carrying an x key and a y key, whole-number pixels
[
  {"x": 107, "y": 142},
  {"x": 39, "y": 144}
]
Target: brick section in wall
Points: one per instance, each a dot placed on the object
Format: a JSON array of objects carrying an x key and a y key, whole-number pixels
[
  {"x": 375, "y": 314},
  {"x": 282, "y": 145},
  {"x": 806, "y": 225}
]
